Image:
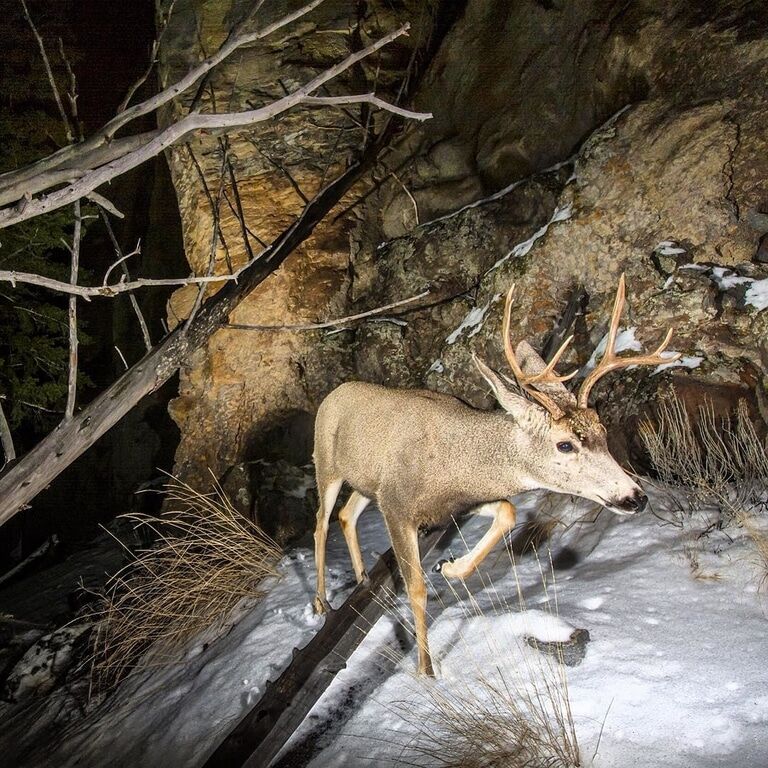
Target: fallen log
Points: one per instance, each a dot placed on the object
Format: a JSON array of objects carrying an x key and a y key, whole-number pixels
[{"x": 256, "y": 740}]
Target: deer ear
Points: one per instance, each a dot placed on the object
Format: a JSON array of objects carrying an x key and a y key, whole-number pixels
[{"x": 515, "y": 405}]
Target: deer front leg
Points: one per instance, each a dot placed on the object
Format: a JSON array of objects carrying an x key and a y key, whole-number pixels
[
  {"x": 405, "y": 542},
  {"x": 348, "y": 516},
  {"x": 504, "y": 517}
]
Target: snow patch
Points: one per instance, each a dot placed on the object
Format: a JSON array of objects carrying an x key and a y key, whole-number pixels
[
  {"x": 562, "y": 213},
  {"x": 726, "y": 278},
  {"x": 473, "y": 320},
  {"x": 668, "y": 248},
  {"x": 757, "y": 294},
  {"x": 540, "y": 625},
  {"x": 625, "y": 340},
  {"x": 685, "y": 361},
  {"x": 436, "y": 367}
]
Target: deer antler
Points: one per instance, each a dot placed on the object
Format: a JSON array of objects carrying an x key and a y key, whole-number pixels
[
  {"x": 610, "y": 362},
  {"x": 547, "y": 375}
]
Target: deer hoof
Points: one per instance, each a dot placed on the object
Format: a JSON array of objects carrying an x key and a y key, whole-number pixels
[
  {"x": 438, "y": 566},
  {"x": 321, "y": 606}
]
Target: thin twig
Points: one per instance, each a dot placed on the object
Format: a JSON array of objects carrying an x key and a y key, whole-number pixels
[
  {"x": 240, "y": 213},
  {"x": 280, "y": 167},
  {"x": 71, "y": 93},
  {"x": 215, "y": 236},
  {"x": 134, "y": 302},
  {"x": 49, "y": 72},
  {"x": 89, "y": 291},
  {"x": 328, "y": 323},
  {"x": 163, "y": 26},
  {"x": 410, "y": 196},
  {"x": 211, "y": 201}
]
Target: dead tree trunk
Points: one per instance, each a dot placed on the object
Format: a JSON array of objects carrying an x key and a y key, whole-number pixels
[{"x": 22, "y": 481}]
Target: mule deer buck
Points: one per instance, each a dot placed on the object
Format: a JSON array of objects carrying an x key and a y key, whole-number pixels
[{"x": 424, "y": 457}]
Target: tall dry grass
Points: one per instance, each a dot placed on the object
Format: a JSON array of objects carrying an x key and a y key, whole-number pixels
[
  {"x": 719, "y": 462},
  {"x": 205, "y": 559}
]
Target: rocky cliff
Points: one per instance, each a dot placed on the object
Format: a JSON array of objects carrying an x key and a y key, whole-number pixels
[{"x": 571, "y": 142}]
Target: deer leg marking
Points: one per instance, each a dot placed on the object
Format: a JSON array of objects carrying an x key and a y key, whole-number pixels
[
  {"x": 503, "y": 522},
  {"x": 328, "y": 497},
  {"x": 348, "y": 520},
  {"x": 405, "y": 542}
]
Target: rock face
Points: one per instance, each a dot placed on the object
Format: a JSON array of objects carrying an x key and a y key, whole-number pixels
[{"x": 650, "y": 119}]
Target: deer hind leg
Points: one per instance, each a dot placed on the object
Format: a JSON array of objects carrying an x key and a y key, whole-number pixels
[
  {"x": 504, "y": 516},
  {"x": 405, "y": 542},
  {"x": 328, "y": 493},
  {"x": 348, "y": 520}
]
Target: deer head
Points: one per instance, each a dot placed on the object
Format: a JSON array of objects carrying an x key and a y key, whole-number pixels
[{"x": 566, "y": 439}]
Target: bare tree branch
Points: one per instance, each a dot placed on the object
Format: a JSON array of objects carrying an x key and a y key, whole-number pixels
[
  {"x": 32, "y": 179},
  {"x": 107, "y": 132},
  {"x": 211, "y": 202},
  {"x": 49, "y": 72},
  {"x": 71, "y": 93},
  {"x": 88, "y": 292},
  {"x": 6, "y": 438},
  {"x": 35, "y": 470},
  {"x": 239, "y": 212},
  {"x": 328, "y": 323},
  {"x": 210, "y": 122},
  {"x": 69, "y": 410},
  {"x": 215, "y": 236},
  {"x": 163, "y": 22}
]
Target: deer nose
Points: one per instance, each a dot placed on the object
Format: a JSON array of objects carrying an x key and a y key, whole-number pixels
[{"x": 634, "y": 503}]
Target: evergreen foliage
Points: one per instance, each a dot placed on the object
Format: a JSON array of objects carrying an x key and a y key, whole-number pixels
[{"x": 34, "y": 335}]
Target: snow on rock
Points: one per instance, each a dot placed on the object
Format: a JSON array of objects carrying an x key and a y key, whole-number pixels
[
  {"x": 473, "y": 323},
  {"x": 668, "y": 248},
  {"x": 757, "y": 294},
  {"x": 625, "y": 340},
  {"x": 684, "y": 361},
  {"x": 562, "y": 213},
  {"x": 727, "y": 278}
]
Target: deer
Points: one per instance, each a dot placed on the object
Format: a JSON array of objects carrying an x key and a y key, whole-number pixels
[{"x": 424, "y": 458}]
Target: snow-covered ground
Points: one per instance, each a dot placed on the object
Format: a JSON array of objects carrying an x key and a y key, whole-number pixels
[{"x": 674, "y": 675}]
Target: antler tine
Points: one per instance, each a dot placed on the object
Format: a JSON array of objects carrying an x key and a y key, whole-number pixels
[
  {"x": 548, "y": 374},
  {"x": 509, "y": 352},
  {"x": 522, "y": 379},
  {"x": 618, "y": 308},
  {"x": 610, "y": 362}
]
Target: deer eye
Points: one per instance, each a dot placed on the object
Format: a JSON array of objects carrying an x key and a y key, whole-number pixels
[{"x": 566, "y": 446}]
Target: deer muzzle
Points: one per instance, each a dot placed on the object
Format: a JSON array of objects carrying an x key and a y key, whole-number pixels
[{"x": 632, "y": 504}]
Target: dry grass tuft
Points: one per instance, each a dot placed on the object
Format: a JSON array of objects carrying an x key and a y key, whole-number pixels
[
  {"x": 495, "y": 722},
  {"x": 205, "y": 559},
  {"x": 721, "y": 463}
]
